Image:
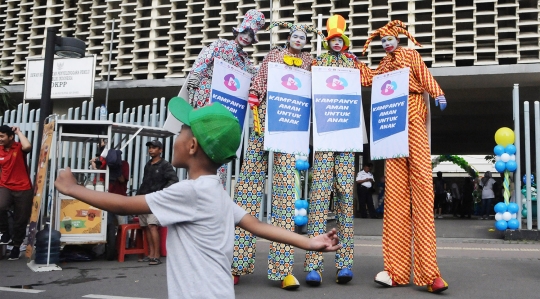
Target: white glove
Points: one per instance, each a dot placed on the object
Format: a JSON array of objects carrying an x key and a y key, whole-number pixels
[{"x": 440, "y": 101}]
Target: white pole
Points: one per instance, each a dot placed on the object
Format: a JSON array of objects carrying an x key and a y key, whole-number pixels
[
  {"x": 517, "y": 174},
  {"x": 319, "y": 27},
  {"x": 526, "y": 128},
  {"x": 537, "y": 155}
]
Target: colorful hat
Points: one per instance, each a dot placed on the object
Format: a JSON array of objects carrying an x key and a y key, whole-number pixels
[
  {"x": 335, "y": 26},
  {"x": 215, "y": 127},
  {"x": 253, "y": 19},
  {"x": 393, "y": 28},
  {"x": 295, "y": 27}
]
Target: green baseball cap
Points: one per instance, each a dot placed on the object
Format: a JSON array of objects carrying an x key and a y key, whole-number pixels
[{"x": 215, "y": 127}]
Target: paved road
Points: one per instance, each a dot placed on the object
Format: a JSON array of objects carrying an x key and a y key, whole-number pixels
[{"x": 474, "y": 268}]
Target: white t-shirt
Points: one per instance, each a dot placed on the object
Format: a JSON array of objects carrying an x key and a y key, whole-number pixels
[
  {"x": 487, "y": 190},
  {"x": 200, "y": 218},
  {"x": 362, "y": 175}
]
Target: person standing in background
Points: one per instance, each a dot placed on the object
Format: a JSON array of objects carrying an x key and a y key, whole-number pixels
[
  {"x": 365, "y": 182},
  {"x": 440, "y": 194},
  {"x": 467, "y": 200},
  {"x": 158, "y": 174},
  {"x": 486, "y": 183},
  {"x": 15, "y": 187},
  {"x": 456, "y": 199}
]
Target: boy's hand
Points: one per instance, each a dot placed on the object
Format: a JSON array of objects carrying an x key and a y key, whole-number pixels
[
  {"x": 65, "y": 180},
  {"x": 325, "y": 242}
]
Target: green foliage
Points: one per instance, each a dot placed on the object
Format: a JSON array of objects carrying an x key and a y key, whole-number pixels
[
  {"x": 5, "y": 98},
  {"x": 462, "y": 163}
]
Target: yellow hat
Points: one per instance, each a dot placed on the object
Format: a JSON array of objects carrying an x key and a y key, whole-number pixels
[
  {"x": 393, "y": 28},
  {"x": 335, "y": 26}
]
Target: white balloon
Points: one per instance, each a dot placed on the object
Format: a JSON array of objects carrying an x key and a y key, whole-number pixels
[
  {"x": 506, "y": 216},
  {"x": 505, "y": 157},
  {"x": 295, "y": 212},
  {"x": 302, "y": 212},
  {"x": 498, "y": 216},
  {"x": 304, "y": 158},
  {"x": 513, "y": 157},
  {"x": 497, "y": 158},
  {"x": 514, "y": 216},
  {"x": 298, "y": 158}
]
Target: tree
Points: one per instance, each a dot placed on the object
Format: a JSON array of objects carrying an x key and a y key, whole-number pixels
[{"x": 5, "y": 103}]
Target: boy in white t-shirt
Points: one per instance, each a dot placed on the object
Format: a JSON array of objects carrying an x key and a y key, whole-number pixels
[{"x": 199, "y": 214}]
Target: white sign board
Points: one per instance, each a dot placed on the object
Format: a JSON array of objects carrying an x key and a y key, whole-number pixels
[
  {"x": 230, "y": 87},
  {"x": 389, "y": 115},
  {"x": 72, "y": 78},
  {"x": 337, "y": 109},
  {"x": 288, "y": 110}
]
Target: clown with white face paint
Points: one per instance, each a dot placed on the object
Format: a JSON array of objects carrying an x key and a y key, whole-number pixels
[
  {"x": 408, "y": 228},
  {"x": 252, "y": 175}
]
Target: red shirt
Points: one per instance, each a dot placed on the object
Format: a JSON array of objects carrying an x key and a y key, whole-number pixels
[
  {"x": 14, "y": 174},
  {"x": 115, "y": 186}
]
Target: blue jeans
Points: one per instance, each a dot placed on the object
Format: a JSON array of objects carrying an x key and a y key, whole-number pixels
[{"x": 486, "y": 205}]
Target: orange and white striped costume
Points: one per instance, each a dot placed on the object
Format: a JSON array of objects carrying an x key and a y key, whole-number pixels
[{"x": 409, "y": 182}]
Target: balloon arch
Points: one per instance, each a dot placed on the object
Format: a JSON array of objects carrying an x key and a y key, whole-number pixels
[{"x": 456, "y": 160}]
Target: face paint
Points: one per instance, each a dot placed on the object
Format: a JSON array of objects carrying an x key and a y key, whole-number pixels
[
  {"x": 336, "y": 44},
  {"x": 389, "y": 43},
  {"x": 297, "y": 40},
  {"x": 244, "y": 39}
]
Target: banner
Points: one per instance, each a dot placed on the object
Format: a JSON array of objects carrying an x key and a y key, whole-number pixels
[
  {"x": 230, "y": 87},
  {"x": 288, "y": 107},
  {"x": 389, "y": 115},
  {"x": 72, "y": 78},
  {"x": 337, "y": 109}
]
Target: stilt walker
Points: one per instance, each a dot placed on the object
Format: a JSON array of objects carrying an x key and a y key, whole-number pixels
[
  {"x": 408, "y": 207},
  {"x": 333, "y": 170},
  {"x": 250, "y": 186},
  {"x": 231, "y": 51}
]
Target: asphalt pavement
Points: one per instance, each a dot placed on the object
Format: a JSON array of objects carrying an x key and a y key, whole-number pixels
[{"x": 473, "y": 258}]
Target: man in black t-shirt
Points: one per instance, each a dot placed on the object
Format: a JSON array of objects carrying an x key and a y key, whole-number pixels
[{"x": 440, "y": 194}]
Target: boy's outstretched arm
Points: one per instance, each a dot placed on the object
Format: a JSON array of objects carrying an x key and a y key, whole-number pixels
[
  {"x": 324, "y": 242},
  {"x": 118, "y": 204}
]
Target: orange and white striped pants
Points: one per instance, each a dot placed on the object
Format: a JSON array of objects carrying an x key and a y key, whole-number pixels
[{"x": 409, "y": 186}]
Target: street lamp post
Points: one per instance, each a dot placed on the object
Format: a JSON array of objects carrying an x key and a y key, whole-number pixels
[{"x": 62, "y": 46}]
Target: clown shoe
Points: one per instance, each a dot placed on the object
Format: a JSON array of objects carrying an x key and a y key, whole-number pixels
[{"x": 290, "y": 282}]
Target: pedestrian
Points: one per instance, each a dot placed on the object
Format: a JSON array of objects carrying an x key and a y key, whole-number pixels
[
  {"x": 251, "y": 179},
  {"x": 198, "y": 212},
  {"x": 467, "y": 202},
  {"x": 364, "y": 186},
  {"x": 409, "y": 179},
  {"x": 440, "y": 194},
  {"x": 380, "y": 204},
  {"x": 15, "y": 187},
  {"x": 456, "y": 199},
  {"x": 158, "y": 175},
  {"x": 486, "y": 183}
]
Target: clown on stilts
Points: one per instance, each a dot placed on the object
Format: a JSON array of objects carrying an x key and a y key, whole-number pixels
[
  {"x": 250, "y": 185},
  {"x": 231, "y": 51},
  {"x": 408, "y": 204},
  {"x": 333, "y": 169}
]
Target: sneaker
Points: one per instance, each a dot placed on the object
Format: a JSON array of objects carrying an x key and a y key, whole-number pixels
[
  {"x": 384, "y": 279},
  {"x": 438, "y": 286},
  {"x": 5, "y": 239},
  {"x": 145, "y": 259},
  {"x": 154, "y": 261},
  {"x": 314, "y": 278},
  {"x": 290, "y": 282},
  {"x": 344, "y": 275},
  {"x": 15, "y": 253}
]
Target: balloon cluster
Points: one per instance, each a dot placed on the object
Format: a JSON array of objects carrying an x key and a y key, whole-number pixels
[
  {"x": 302, "y": 163},
  {"x": 505, "y": 150},
  {"x": 533, "y": 195},
  {"x": 300, "y": 212},
  {"x": 506, "y": 216}
]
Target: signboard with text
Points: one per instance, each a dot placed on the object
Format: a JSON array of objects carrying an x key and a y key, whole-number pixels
[
  {"x": 337, "y": 109},
  {"x": 72, "y": 78},
  {"x": 288, "y": 109},
  {"x": 389, "y": 115}
]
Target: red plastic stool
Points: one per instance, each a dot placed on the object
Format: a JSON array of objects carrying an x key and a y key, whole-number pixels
[{"x": 137, "y": 232}]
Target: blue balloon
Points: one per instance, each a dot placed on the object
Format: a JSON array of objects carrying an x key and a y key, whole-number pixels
[
  {"x": 501, "y": 208},
  {"x": 300, "y": 204},
  {"x": 511, "y": 166},
  {"x": 513, "y": 224},
  {"x": 498, "y": 150},
  {"x": 501, "y": 225},
  {"x": 510, "y": 149},
  {"x": 513, "y": 208},
  {"x": 301, "y": 220},
  {"x": 299, "y": 165},
  {"x": 500, "y": 166},
  {"x": 525, "y": 179}
]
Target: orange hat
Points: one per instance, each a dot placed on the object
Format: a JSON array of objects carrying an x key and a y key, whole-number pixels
[
  {"x": 335, "y": 26},
  {"x": 393, "y": 28}
]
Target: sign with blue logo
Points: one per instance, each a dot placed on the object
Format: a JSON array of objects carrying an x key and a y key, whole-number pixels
[
  {"x": 288, "y": 109},
  {"x": 389, "y": 115},
  {"x": 230, "y": 87},
  {"x": 337, "y": 109}
]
